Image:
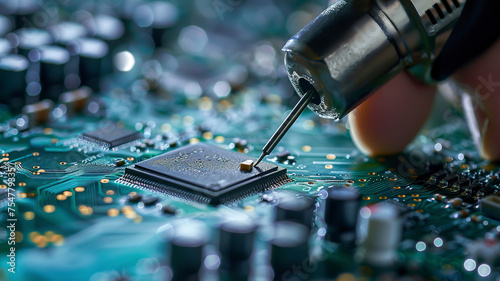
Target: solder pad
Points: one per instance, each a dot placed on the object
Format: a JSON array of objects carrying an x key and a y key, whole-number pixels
[{"x": 204, "y": 173}]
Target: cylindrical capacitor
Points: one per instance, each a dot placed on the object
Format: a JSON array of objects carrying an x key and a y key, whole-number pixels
[
  {"x": 158, "y": 16},
  {"x": 297, "y": 209},
  {"x": 5, "y": 47},
  {"x": 5, "y": 25},
  {"x": 32, "y": 38},
  {"x": 380, "y": 233},
  {"x": 13, "y": 70},
  {"x": 22, "y": 12},
  {"x": 341, "y": 215},
  {"x": 289, "y": 247},
  {"x": 107, "y": 28},
  {"x": 91, "y": 53},
  {"x": 187, "y": 242},
  {"x": 236, "y": 246},
  {"x": 110, "y": 30},
  {"x": 126, "y": 14},
  {"x": 65, "y": 32},
  {"x": 53, "y": 60}
]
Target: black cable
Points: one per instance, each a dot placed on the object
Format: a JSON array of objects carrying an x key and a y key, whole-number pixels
[{"x": 475, "y": 31}]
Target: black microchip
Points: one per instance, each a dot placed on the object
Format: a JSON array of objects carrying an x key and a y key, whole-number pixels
[
  {"x": 111, "y": 136},
  {"x": 204, "y": 173}
]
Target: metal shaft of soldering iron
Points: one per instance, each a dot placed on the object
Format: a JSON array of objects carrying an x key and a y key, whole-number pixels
[{"x": 285, "y": 126}]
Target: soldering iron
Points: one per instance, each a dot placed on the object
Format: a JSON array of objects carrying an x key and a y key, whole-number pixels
[{"x": 353, "y": 47}]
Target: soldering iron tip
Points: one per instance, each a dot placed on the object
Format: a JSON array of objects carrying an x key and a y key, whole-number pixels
[{"x": 260, "y": 159}]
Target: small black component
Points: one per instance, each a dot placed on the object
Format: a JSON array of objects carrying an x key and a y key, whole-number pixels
[
  {"x": 422, "y": 174},
  {"x": 203, "y": 129},
  {"x": 239, "y": 143},
  {"x": 493, "y": 180},
  {"x": 439, "y": 175},
  {"x": 149, "y": 142},
  {"x": 204, "y": 173},
  {"x": 485, "y": 191},
  {"x": 432, "y": 168},
  {"x": 461, "y": 183},
  {"x": 111, "y": 136},
  {"x": 119, "y": 162},
  {"x": 449, "y": 180},
  {"x": 470, "y": 192},
  {"x": 412, "y": 219},
  {"x": 267, "y": 198},
  {"x": 135, "y": 198},
  {"x": 282, "y": 156},
  {"x": 474, "y": 187},
  {"x": 168, "y": 210},
  {"x": 436, "y": 165},
  {"x": 431, "y": 186},
  {"x": 479, "y": 178},
  {"x": 150, "y": 200}
]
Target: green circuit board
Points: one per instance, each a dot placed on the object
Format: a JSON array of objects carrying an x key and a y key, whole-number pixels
[
  {"x": 71, "y": 215},
  {"x": 93, "y": 185}
]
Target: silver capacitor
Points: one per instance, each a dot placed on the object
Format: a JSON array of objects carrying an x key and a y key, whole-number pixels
[{"x": 379, "y": 234}]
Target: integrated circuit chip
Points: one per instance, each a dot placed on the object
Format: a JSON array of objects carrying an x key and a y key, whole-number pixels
[
  {"x": 204, "y": 173},
  {"x": 111, "y": 135}
]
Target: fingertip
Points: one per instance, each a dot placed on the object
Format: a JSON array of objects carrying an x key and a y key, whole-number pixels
[
  {"x": 482, "y": 76},
  {"x": 490, "y": 150},
  {"x": 389, "y": 120}
]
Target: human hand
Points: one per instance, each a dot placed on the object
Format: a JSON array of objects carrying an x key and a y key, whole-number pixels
[{"x": 389, "y": 120}]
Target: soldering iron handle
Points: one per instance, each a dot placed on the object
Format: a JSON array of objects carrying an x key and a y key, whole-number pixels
[
  {"x": 477, "y": 29},
  {"x": 355, "y": 46}
]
